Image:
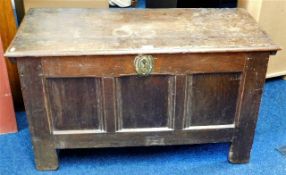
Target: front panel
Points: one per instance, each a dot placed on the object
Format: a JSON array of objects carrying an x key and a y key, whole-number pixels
[
  {"x": 145, "y": 102},
  {"x": 75, "y": 103},
  {"x": 205, "y": 87},
  {"x": 211, "y": 99}
]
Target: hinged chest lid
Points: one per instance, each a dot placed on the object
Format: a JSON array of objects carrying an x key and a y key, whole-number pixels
[{"x": 70, "y": 32}]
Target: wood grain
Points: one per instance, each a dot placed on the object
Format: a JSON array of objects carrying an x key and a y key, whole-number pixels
[
  {"x": 8, "y": 25},
  {"x": 180, "y": 101},
  {"x": 109, "y": 104},
  {"x": 142, "y": 111},
  {"x": 254, "y": 77},
  {"x": 117, "y": 66},
  {"x": 35, "y": 98},
  {"x": 145, "y": 102},
  {"x": 143, "y": 138},
  {"x": 7, "y": 32},
  {"x": 137, "y": 31},
  {"x": 211, "y": 99},
  {"x": 72, "y": 112},
  {"x": 85, "y": 91}
]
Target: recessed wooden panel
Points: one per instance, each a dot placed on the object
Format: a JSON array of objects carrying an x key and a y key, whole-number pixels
[
  {"x": 211, "y": 99},
  {"x": 75, "y": 103},
  {"x": 145, "y": 102}
]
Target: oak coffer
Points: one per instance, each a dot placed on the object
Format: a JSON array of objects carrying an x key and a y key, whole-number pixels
[{"x": 114, "y": 78}]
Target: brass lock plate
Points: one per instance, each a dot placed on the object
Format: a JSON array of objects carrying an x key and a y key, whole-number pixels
[{"x": 144, "y": 64}]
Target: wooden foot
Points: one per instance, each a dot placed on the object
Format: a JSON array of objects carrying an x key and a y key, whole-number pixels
[
  {"x": 46, "y": 158},
  {"x": 238, "y": 155}
]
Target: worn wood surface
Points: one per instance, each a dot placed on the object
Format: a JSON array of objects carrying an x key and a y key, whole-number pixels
[
  {"x": 62, "y": 102},
  {"x": 145, "y": 102},
  {"x": 73, "y": 105},
  {"x": 117, "y": 66},
  {"x": 212, "y": 99},
  {"x": 81, "y": 92},
  {"x": 245, "y": 121},
  {"x": 35, "y": 98},
  {"x": 7, "y": 32},
  {"x": 126, "y": 139},
  {"x": 72, "y": 32}
]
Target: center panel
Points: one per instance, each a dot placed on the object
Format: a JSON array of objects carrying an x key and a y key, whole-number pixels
[{"x": 145, "y": 102}]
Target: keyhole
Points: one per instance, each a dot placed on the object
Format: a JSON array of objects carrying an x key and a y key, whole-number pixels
[{"x": 144, "y": 63}]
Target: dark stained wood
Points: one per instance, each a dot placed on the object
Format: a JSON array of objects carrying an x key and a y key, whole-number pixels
[
  {"x": 62, "y": 141},
  {"x": 30, "y": 71},
  {"x": 254, "y": 77},
  {"x": 180, "y": 97},
  {"x": 211, "y": 99},
  {"x": 68, "y": 110},
  {"x": 145, "y": 102},
  {"x": 45, "y": 152},
  {"x": 137, "y": 31},
  {"x": 140, "y": 111},
  {"x": 109, "y": 104},
  {"x": 115, "y": 66},
  {"x": 79, "y": 101}
]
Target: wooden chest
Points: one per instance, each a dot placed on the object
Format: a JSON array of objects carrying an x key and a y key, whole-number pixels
[{"x": 113, "y": 78}]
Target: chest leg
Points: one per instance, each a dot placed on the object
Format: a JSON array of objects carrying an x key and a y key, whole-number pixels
[{"x": 248, "y": 109}]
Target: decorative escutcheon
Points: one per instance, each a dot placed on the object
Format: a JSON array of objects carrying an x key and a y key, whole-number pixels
[{"x": 144, "y": 64}]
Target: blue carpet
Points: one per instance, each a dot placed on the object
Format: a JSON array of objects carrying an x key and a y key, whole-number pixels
[{"x": 16, "y": 155}]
